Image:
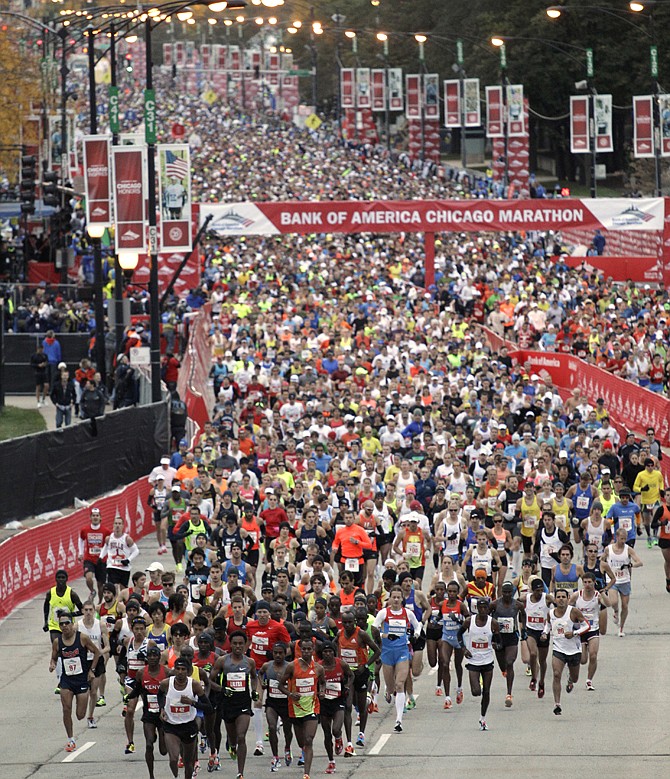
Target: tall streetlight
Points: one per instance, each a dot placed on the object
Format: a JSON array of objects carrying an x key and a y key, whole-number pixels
[
  {"x": 636, "y": 7},
  {"x": 384, "y": 39},
  {"x": 421, "y": 39},
  {"x": 499, "y": 42}
]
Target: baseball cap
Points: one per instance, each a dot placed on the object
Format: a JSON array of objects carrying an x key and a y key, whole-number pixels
[
  {"x": 415, "y": 506},
  {"x": 165, "y": 460},
  {"x": 562, "y": 454},
  {"x": 176, "y": 488},
  {"x": 155, "y": 566},
  {"x": 183, "y": 442}
]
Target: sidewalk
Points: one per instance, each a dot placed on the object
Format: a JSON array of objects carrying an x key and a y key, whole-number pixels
[{"x": 48, "y": 411}]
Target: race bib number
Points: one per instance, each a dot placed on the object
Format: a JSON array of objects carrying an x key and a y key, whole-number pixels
[
  {"x": 529, "y": 521},
  {"x": 480, "y": 644},
  {"x": 626, "y": 523},
  {"x": 619, "y": 573},
  {"x": 253, "y": 535},
  {"x": 351, "y": 564},
  {"x": 506, "y": 624},
  {"x": 152, "y": 704},
  {"x": 397, "y": 626},
  {"x": 179, "y": 708},
  {"x": 414, "y": 549},
  {"x": 72, "y": 666},
  {"x": 195, "y": 592},
  {"x": 333, "y": 690},
  {"x": 492, "y": 502},
  {"x": 305, "y": 686},
  {"x": 260, "y": 644},
  {"x": 274, "y": 691},
  {"x": 349, "y": 656},
  {"x": 533, "y": 620},
  {"x": 582, "y": 502},
  {"x": 237, "y": 681}
]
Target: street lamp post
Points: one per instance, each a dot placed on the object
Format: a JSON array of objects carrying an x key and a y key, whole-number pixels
[
  {"x": 383, "y": 37},
  {"x": 421, "y": 40},
  {"x": 503, "y": 84}
]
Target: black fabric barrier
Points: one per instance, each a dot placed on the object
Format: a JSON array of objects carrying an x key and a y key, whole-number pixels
[
  {"x": 46, "y": 471},
  {"x": 20, "y": 347}
]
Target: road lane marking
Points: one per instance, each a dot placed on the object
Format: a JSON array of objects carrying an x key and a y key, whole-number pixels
[
  {"x": 377, "y": 748},
  {"x": 73, "y": 755}
]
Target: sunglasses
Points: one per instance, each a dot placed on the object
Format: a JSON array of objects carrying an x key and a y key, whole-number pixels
[{"x": 68, "y": 622}]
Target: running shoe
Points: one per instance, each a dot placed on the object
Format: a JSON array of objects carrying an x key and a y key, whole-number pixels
[
  {"x": 398, "y": 727},
  {"x": 301, "y": 759},
  {"x": 275, "y": 765},
  {"x": 71, "y": 746},
  {"x": 124, "y": 710},
  {"x": 508, "y": 701},
  {"x": 288, "y": 757},
  {"x": 360, "y": 741},
  {"x": 130, "y": 748},
  {"x": 92, "y": 724},
  {"x": 375, "y": 709},
  {"x": 259, "y": 749},
  {"x": 196, "y": 768},
  {"x": 569, "y": 687},
  {"x": 350, "y": 751},
  {"x": 213, "y": 763},
  {"x": 482, "y": 724},
  {"x": 558, "y": 710},
  {"x": 621, "y": 633},
  {"x": 459, "y": 696},
  {"x": 438, "y": 692},
  {"x": 533, "y": 685},
  {"x": 411, "y": 703},
  {"x": 504, "y": 673},
  {"x": 305, "y": 776},
  {"x": 540, "y": 690},
  {"x": 638, "y": 530},
  {"x": 203, "y": 744},
  {"x": 589, "y": 685},
  {"x": 339, "y": 746},
  {"x": 57, "y": 691},
  {"x": 654, "y": 541},
  {"x": 650, "y": 543},
  {"x": 101, "y": 701},
  {"x": 180, "y": 763},
  {"x": 447, "y": 703},
  {"x": 239, "y": 776},
  {"x": 232, "y": 752},
  {"x": 529, "y": 672},
  {"x": 371, "y": 704},
  {"x": 179, "y": 567},
  {"x": 331, "y": 767}
]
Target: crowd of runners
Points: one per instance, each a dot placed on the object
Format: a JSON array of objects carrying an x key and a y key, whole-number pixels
[{"x": 377, "y": 492}]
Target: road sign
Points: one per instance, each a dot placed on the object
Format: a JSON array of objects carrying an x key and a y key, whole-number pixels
[
  {"x": 299, "y": 73},
  {"x": 114, "y": 109},
  {"x": 313, "y": 122},
  {"x": 590, "y": 69},
  {"x": 150, "y": 115},
  {"x": 653, "y": 61}
]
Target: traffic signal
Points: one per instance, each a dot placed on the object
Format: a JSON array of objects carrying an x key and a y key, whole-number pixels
[
  {"x": 50, "y": 194},
  {"x": 129, "y": 63},
  {"x": 28, "y": 184}
]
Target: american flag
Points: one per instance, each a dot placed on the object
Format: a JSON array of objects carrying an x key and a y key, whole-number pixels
[{"x": 175, "y": 167}]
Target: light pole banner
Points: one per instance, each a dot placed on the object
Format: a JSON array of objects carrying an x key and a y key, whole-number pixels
[
  {"x": 396, "y": 97},
  {"x": 220, "y": 56},
  {"x": 378, "y": 90},
  {"x": 472, "y": 108},
  {"x": 206, "y": 56},
  {"x": 431, "y": 95},
  {"x": 273, "y": 67},
  {"x": 452, "y": 103},
  {"x": 167, "y": 54},
  {"x": 179, "y": 54},
  {"x": 347, "y": 82},
  {"x": 128, "y": 166},
  {"x": 97, "y": 179},
  {"x": 234, "y": 61},
  {"x": 516, "y": 123},
  {"x": 664, "y": 114},
  {"x": 363, "y": 88},
  {"x": 603, "y": 112},
  {"x": 643, "y": 126},
  {"x": 413, "y": 89},
  {"x": 494, "y": 112},
  {"x": 580, "y": 141},
  {"x": 174, "y": 180}
]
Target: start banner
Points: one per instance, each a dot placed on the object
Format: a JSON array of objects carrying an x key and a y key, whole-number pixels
[
  {"x": 30, "y": 559},
  {"x": 231, "y": 219}
]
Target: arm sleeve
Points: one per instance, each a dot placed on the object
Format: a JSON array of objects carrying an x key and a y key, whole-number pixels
[
  {"x": 134, "y": 551},
  {"x": 414, "y": 623},
  {"x": 379, "y": 619},
  {"x": 80, "y": 544}
]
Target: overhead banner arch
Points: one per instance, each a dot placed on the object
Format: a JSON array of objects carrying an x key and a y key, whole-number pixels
[{"x": 437, "y": 216}]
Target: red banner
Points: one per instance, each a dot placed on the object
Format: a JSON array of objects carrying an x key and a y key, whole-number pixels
[
  {"x": 206, "y": 56},
  {"x": 580, "y": 140},
  {"x": 220, "y": 57},
  {"x": 234, "y": 61},
  {"x": 494, "y": 112},
  {"x": 516, "y": 122},
  {"x": 432, "y": 216},
  {"x": 378, "y": 90},
  {"x": 273, "y": 67},
  {"x": 179, "y": 54},
  {"x": 347, "y": 96},
  {"x": 30, "y": 559},
  {"x": 413, "y": 89},
  {"x": 643, "y": 126},
  {"x": 452, "y": 103},
  {"x": 167, "y": 54},
  {"x": 129, "y": 197},
  {"x": 97, "y": 179},
  {"x": 645, "y": 270}
]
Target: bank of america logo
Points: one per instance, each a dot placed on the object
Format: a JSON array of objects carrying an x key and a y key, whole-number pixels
[
  {"x": 175, "y": 167},
  {"x": 231, "y": 221},
  {"x": 130, "y": 235},
  {"x": 632, "y": 216}
]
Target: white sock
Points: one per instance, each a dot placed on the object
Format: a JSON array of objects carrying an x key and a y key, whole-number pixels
[
  {"x": 399, "y": 705},
  {"x": 258, "y": 725}
]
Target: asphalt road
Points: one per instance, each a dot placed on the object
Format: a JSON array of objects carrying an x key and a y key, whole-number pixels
[{"x": 620, "y": 730}]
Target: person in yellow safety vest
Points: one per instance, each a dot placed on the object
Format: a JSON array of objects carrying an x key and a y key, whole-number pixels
[{"x": 61, "y": 597}]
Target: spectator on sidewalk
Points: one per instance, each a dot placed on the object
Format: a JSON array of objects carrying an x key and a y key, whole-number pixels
[
  {"x": 39, "y": 363},
  {"x": 63, "y": 397},
  {"x": 93, "y": 400},
  {"x": 53, "y": 352}
]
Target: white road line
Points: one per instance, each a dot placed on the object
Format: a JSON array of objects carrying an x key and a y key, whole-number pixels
[
  {"x": 73, "y": 755},
  {"x": 377, "y": 748}
]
